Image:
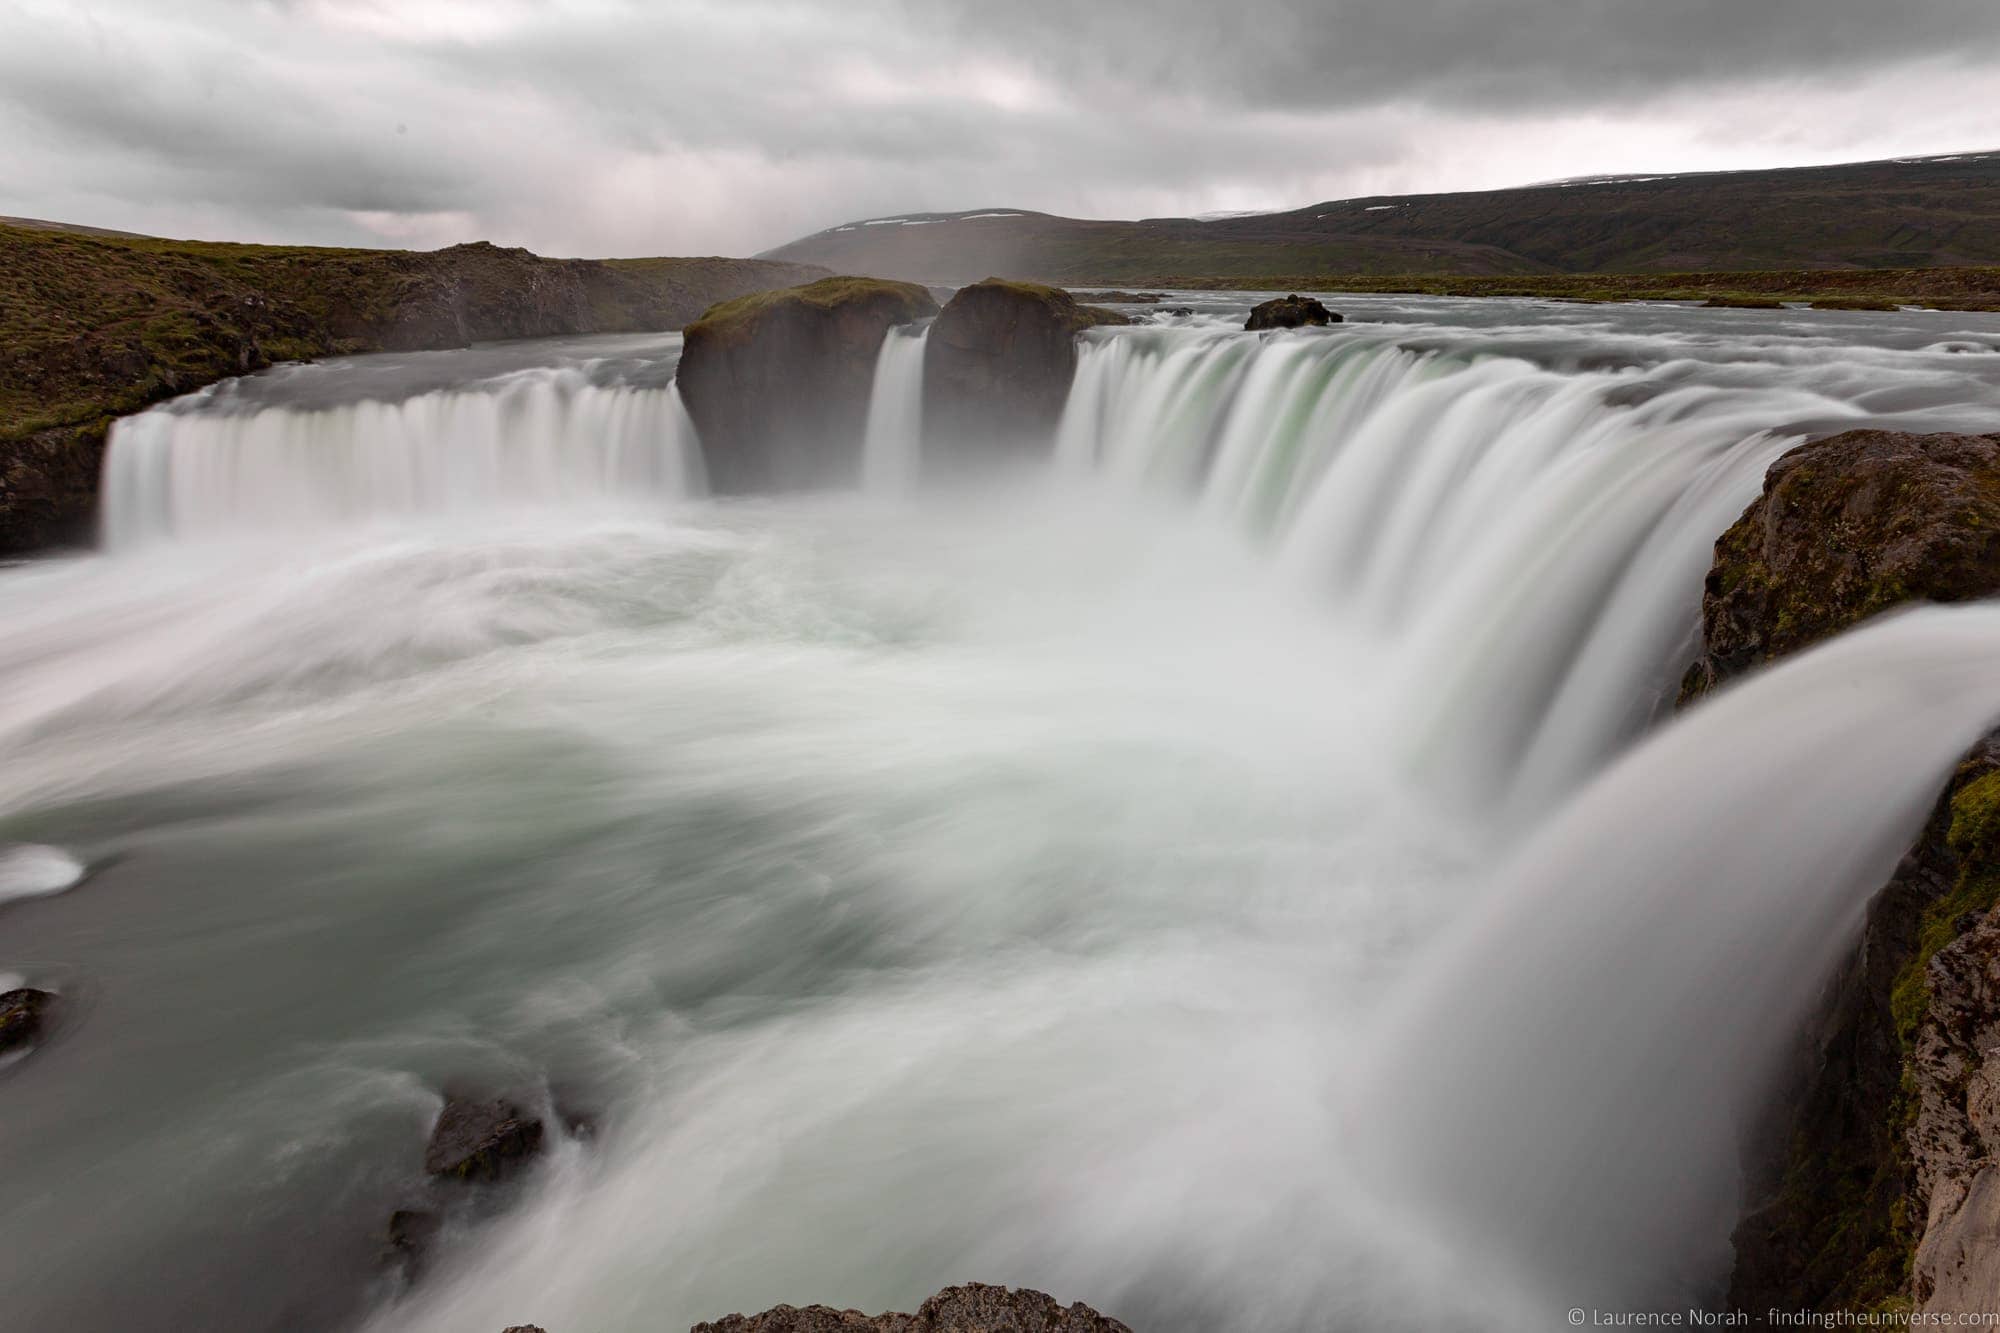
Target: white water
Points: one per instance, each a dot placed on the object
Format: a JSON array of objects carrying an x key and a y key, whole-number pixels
[
  {"x": 1153, "y": 881},
  {"x": 532, "y": 437},
  {"x": 892, "y": 450},
  {"x": 30, "y": 871}
]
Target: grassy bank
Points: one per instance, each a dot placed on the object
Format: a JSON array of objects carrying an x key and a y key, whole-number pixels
[{"x": 1837, "y": 289}]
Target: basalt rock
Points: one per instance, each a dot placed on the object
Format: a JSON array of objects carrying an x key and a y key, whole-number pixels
[
  {"x": 972, "y": 1308},
  {"x": 23, "y": 1015},
  {"x": 1289, "y": 312},
  {"x": 998, "y": 366},
  {"x": 477, "y": 1143},
  {"x": 1884, "y": 1189},
  {"x": 1847, "y": 527},
  {"x": 477, "y": 1140},
  {"x": 777, "y": 383}
]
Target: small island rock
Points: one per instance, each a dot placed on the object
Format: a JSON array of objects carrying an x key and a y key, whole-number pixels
[{"x": 1289, "y": 312}]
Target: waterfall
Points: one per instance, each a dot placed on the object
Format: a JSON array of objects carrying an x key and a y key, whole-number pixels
[
  {"x": 895, "y": 414},
  {"x": 1564, "y": 1080},
  {"x": 199, "y": 466},
  {"x": 1524, "y": 544}
]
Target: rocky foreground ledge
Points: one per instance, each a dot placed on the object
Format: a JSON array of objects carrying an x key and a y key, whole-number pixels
[
  {"x": 972, "y": 1308},
  {"x": 1887, "y": 1194}
]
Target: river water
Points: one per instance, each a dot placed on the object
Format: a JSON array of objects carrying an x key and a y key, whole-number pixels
[{"x": 1239, "y": 875}]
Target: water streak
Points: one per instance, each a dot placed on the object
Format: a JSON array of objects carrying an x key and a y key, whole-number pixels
[{"x": 535, "y": 437}]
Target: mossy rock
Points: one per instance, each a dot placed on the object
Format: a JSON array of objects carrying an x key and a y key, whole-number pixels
[
  {"x": 998, "y": 367},
  {"x": 777, "y": 382},
  {"x": 1290, "y": 312},
  {"x": 1848, "y": 527}
]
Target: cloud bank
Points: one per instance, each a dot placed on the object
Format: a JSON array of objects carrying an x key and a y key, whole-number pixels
[{"x": 608, "y": 127}]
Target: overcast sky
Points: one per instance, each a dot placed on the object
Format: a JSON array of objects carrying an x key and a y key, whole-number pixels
[{"x": 612, "y": 127}]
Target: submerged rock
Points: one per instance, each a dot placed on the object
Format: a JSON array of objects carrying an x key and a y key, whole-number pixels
[
  {"x": 23, "y": 1014},
  {"x": 777, "y": 384},
  {"x": 476, "y": 1144},
  {"x": 1289, "y": 312},
  {"x": 481, "y": 1140},
  {"x": 972, "y": 1308},
  {"x": 1846, "y": 527},
  {"x": 999, "y": 362},
  {"x": 1884, "y": 1184}
]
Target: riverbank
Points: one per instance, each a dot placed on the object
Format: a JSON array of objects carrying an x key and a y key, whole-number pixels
[{"x": 1839, "y": 289}]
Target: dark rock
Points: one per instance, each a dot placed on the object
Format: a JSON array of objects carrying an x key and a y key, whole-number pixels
[
  {"x": 998, "y": 365},
  {"x": 524, "y": 1328},
  {"x": 1289, "y": 312},
  {"x": 972, "y": 1308},
  {"x": 413, "y": 1234},
  {"x": 481, "y": 1140},
  {"x": 1846, "y": 527},
  {"x": 1122, "y": 298},
  {"x": 777, "y": 384},
  {"x": 23, "y": 1014}
]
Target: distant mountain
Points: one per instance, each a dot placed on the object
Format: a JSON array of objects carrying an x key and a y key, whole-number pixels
[
  {"x": 74, "y": 228},
  {"x": 1904, "y": 213}
]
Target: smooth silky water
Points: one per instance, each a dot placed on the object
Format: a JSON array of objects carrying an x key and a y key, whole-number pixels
[{"x": 1238, "y": 875}]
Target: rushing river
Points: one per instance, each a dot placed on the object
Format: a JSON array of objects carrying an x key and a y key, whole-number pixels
[{"x": 1238, "y": 875}]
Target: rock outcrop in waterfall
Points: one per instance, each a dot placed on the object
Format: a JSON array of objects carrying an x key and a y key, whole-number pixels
[
  {"x": 999, "y": 363},
  {"x": 1289, "y": 312},
  {"x": 777, "y": 383},
  {"x": 1888, "y": 1189}
]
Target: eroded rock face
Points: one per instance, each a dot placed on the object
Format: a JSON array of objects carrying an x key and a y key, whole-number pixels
[
  {"x": 23, "y": 1014},
  {"x": 1846, "y": 527},
  {"x": 972, "y": 1308},
  {"x": 1954, "y": 1062},
  {"x": 778, "y": 383},
  {"x": 1289, "y": 312},
  {"x": 998, "y": 367}
]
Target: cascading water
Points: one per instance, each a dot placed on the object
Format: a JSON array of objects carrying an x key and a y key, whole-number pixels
[
  {"x": 1214, "y": 880},
  {"x": 894, "y": 442},
  {"x": 211, "y": 465}
]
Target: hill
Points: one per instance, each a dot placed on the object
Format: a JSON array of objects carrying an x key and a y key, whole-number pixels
[
  {"x": 1914, "y": 213},
  {"x": 95, "y": 326}
]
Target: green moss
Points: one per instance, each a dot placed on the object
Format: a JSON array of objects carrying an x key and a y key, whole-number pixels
[
  {"x": 1974, "y": 837},
  {"x": 731, "y": 317}
]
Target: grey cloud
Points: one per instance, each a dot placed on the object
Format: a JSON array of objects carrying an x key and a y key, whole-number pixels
[
  {"x": 733, "y": 125},
  {"x": 1331, "y": 53}
]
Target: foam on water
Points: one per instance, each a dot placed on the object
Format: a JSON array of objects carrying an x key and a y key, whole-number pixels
[{"x": 31, "y": 871}]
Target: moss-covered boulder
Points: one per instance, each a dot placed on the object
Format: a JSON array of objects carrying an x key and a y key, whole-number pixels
[
  {"x": 1289, "y": 312},
  {"x": 1884, "y": 1190},
  {"x": 975, "y": 1307},
  {"x": 1849, "y": 526},
  {"x": 998, "y": 366},
  {"x": 777, "y": 383}
]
